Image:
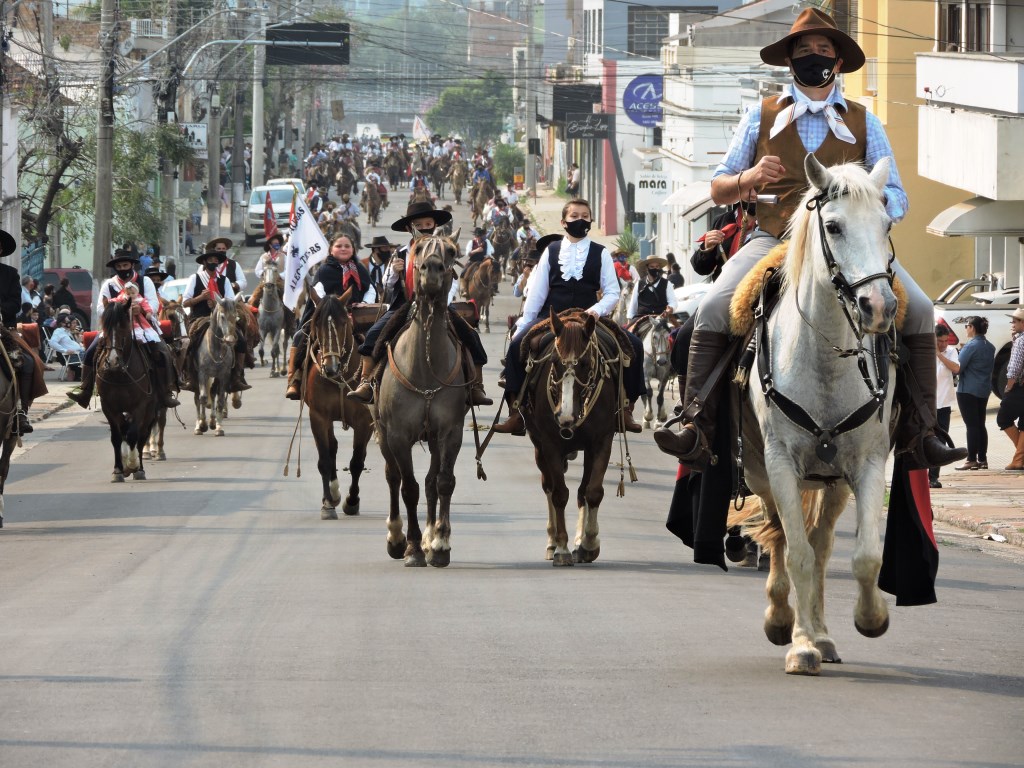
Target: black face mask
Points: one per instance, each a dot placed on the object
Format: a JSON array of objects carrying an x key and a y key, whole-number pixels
[
  {"x": 125, "y": 274},
  {"x": 578, "y": 227},
  {"x": 211, "y": 267},
  {"x": 425, "y": 232},
  {"x": 655, "y": 275},
  {"x": 814, "y": 71}
]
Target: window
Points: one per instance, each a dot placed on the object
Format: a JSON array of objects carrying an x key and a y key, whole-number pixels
[
  {"x": 649, "y": 26},
  {"x": 950, "y": 26},
  {"x": 593, "y": 29},
  {"x": 979, "y": 17}
]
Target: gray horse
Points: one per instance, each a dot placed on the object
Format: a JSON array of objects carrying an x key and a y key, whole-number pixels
[
  {"x": 271, "y": 321},
  {"x": 422, "y": 396},
  {"x": 214, "y": 358}
]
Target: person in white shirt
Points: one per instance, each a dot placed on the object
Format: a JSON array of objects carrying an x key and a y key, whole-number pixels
[
  {"x": 947, "y": 365},
  {"x": 571, "y": 273},
  {"x": 654, "y": 294}
]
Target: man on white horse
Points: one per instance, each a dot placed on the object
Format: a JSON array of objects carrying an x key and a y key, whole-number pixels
[
  {"x": 653, "y": 295},
  {"x": 767, "y": 152}
]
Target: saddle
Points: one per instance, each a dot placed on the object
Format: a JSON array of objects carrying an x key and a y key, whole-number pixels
[
  {"x": 398, "y": 324},
  {"x": 611, "y": 339}
]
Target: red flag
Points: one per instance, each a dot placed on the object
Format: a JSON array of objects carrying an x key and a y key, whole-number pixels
[
  {"x": 291, "y": 214},
  {"x": 269, "y": 222}
]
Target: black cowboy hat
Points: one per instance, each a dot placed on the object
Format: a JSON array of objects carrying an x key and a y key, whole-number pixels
[
  {"x": 212, "y": 243},
  {"x": 380, "y": 242},
  {"x": 276, "y": 236},
  {"x": 479, "y": 231},
  {"x": 812, "y": 21},
  {"x": 121, "y": 254},
  {"x": 201, "y": 258},
  {"x": 419, "y": 210},
  {"x": 7, "y": 243},
  {"x": 156, "y": 272},
  {"x": 544, "y": 242}
]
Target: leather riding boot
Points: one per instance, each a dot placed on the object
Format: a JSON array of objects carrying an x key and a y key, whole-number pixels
[
  {"x": 1017, "y": 438},
  {"x": 513, "y": 425},
  {"x": 477, "y": 395},
  {"x": 692, "y": 444},
  {"x": 627, "y": 418},
  {"x": 25, "y": 386},
  {"x": 238, "y": 382},
  {"x": 294, "y": 391},
  {"x": 82, "y": 394},
  {"x": 917, "y": 432},
  {"x": 364, "y": 392}
]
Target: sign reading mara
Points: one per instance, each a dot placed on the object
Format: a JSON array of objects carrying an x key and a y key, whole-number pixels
[{"x": 652, "y": 188}]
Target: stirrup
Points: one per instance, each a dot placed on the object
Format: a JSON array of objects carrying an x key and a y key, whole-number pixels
[{"x": 363, "y": 393}]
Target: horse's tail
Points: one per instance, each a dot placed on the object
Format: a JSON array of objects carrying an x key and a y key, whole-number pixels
[{"x": 763, "y": 524}]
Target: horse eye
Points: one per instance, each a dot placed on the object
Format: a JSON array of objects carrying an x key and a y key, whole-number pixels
[{"x": 833, "y": 228}]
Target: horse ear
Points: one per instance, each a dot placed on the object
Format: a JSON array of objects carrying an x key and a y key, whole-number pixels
[
  {"x": 346, "y": 297},
  {"x": 456, "y": 233},
  {"x": 817, "y": 174},
  {"x": 880, "y": 173},
  {"x": 316, "y": 298},
  {"x": 556, "y": 322},
  {"x": 589, "y": 324}
]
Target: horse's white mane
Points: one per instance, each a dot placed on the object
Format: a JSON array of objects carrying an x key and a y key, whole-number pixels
[{"x": 850, "y": 180}]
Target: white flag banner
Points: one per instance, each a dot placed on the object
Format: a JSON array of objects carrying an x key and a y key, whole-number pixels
[
  {"x": 306, "y": 248},
  {"x": 420, "y": 131}
]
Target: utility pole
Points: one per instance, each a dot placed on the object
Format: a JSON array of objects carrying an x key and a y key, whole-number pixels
[
  {"x": 168, "y": 106},
  {"x": 213, "y": 164},
  {"x": 259, "y": 72},
  {"x": 238, "y": 207},
  {"x": 531, "y": 105},
  {"x": 56, "y": 118},
  {"x": 105, "y": 142}
]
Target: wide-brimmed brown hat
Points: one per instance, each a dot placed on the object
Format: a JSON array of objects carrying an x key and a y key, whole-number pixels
[
  {"x": 812, "y": 21},
  {"x": 8, "y": 245},
  {"x": 420, "y": 210},
  {"x": 201, "y": 258},
  {"x": 654, "y": 262},
  {"x": 213, "y": 243}
]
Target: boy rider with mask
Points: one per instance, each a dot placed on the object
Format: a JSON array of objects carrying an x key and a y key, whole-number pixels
[{"x": 768, "y": 152}]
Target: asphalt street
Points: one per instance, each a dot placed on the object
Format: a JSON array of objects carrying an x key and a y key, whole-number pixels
[{"x": 208, "y": 617}]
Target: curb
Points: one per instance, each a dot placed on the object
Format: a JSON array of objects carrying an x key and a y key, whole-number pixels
[{"x": 980, "y": 527}]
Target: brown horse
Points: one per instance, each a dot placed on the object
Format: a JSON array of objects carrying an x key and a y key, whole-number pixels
[
  {"x": 333, "y": 370},
  {"x": 394, "y": 168},
  {"x": 503, "y": 238},
  {"x": 437, "y": 172},
  {"x": 172, "y": 313},
  {"x": 480, "y": 194},
  {"x": 457, "y": 176},
  {"x": 126, "y": 391},
  {"x": 572, "y": 405},
  {"x": 371, "y": 203},
  {"x": 422, "y": 397},
  {"x": 8, "y": 421},
  {"x": 478, "y": 286}
]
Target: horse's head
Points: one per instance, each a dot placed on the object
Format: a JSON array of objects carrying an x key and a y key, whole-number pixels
[
  {"x": 331, "y": 336},
  {"x": 270, "y": 273},
  {"x": 434, "y": 256},
  {"x": 573, "y": 363},
  {"x": 656, "y": 342},
  {"x": 222, "y": 321},
  {"x": 116, "y": 323},
  {"x": 842, "y": 225}
]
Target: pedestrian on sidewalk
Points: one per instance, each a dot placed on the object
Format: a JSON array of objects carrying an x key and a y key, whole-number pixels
[
  {"x": 977, "y": 361},
  {"x": 1011, "y": 409},
  {"x": 947, "y": 365}
]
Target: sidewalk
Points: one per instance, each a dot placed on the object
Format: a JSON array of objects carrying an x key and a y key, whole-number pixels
[{"x": 546, "y": 212}]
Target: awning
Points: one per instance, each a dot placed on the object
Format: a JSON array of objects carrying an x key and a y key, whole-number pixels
[
  {"x": 689, "y": 196},
  {"x": 980, "y": 217}
]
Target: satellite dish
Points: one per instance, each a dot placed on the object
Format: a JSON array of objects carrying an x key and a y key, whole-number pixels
[{"x": 126, "y": 46}]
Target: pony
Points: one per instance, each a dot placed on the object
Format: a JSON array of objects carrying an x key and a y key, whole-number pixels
[
  {"x": 8, "y": 422},
  {"x": 333, "y": 371},
  {"x": 573, "y": 400},
  {"x": 214, "y": 358},
  {"x": 422, "y": 396},
  {"x": 657, "y": 367},
  {"x": 816, "y": 356},
  {"x": 457, "y": 176},
  {"x": 271, "y": 320},
  {"x": 126, "y": 391}
]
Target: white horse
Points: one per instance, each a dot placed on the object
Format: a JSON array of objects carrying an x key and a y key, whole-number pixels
[
  {"x": 271, "y": 322},
  {"x": 657, "y": 367},
  {"x": 621, "y": 311},
  {"x": 824, "y": 416}
]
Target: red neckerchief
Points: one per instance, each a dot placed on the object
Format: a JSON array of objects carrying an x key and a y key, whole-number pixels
[
  {"x": 349, "y": 273},
  {"x": 210, "y": 283}
]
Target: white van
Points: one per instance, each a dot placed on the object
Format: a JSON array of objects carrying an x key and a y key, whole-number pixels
[{"x": 280, "y": 200}]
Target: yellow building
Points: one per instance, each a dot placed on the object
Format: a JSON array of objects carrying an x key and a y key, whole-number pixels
[{"x": 891, "y": 32}]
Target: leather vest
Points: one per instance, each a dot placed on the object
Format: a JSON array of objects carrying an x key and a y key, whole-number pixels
[
  {"x": 572, "y": 294},
  {"x": 789, "y": 148}
]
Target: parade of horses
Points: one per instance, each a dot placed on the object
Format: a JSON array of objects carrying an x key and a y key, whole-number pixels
[{"x": 476, "y": 333}]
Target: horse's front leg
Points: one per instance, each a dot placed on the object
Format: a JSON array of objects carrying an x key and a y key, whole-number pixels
[
  {"x": 430, "y": 490},
  {"x": 199, "y": 398},
  {"x": 803, "y": 658},
  {"x": 779, "y": 615},
  {"x": 648, "y": 399},
  {"x": 396, "y": 539},
  {"x": 361, "y": 433},
  {"x": 327, "y": 455},
  {"x": 410, "y": 489},
  {"x": 871, "y": 614},
  {"x": 552, "y": 481},
  {"x": 589, "y": 498},
  {"x": 822, "y": 537},
  {"x": 116, "y": 439},
  {"x": 662, "y": 382}
]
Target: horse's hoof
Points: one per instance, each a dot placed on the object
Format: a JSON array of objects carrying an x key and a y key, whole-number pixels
[
  {"x": 236, "y": 400},
  {"x": 581, "y": 555},
  {"x": 563, "y": 558},
  {"x": 203, "y": 427},
  {"x": 160, "y": 456},
  {"x": 779, "y": 634},
  {"x": 416, "y": 560},
  {"x": 117, "y": 477},
  {"x": 396, "y": 549},
  {"x": 273, "y": 373},
  {"x": 750, "y": 560},
  {"x": 549, "y": 553},
  {"x": 350, "y": 508},
  {"x": 198, "y": 431},
  {"x": 328, "y": 512},
  {"x": 735, "y": 548},
  {"x": 827, "y": 649},
  {"x": 147, "y": 455},
  {"x": 803, "y": 662},
  {"x": 439, "y": 558},
  {"x": 139, "y": 474},
  {"x": 876, "y": 632},
  {"x": 218, "y": 432}
]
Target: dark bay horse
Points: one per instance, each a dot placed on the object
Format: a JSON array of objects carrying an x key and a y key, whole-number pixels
[
  {"x": 572, "y": 406},
  {"x": 478, "y": 283},
  {"x": 422, "y": 396},
  {"x": 334, "y": 370},
  {"x": 126, "y": 391},
  {"x": 503, "y": 238}
]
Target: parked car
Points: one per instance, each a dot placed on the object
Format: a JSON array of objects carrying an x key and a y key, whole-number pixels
[
  {"x": 280, "y": 200},
  {"x": 979, "y": 297},
  {"x": 687, "y": 299},
  {"x": 173, "y": 290},
  {"x": 82, "y": 286},
  {"x": 287, "y": 183}
]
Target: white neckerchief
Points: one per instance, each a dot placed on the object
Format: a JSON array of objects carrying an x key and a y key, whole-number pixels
[
  {"x": 802, "y": 104},
  {"x": 572, "y": 257}
]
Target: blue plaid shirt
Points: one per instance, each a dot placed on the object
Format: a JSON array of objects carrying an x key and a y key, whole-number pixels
[{"x": 813, "y": 130}]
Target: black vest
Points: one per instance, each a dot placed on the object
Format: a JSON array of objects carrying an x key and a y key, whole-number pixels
[
  {"x": 652, "y": 299},
  {"x": 230, "y": 271},
  {"x": 202, "y": 309},
  {"x": 572, "y": 294}
]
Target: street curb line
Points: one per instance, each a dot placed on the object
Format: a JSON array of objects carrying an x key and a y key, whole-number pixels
[{"x": 1013, "y": 536}]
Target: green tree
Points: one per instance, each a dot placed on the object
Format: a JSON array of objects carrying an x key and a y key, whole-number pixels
[
  {"x": 507, "y": 157},
  {"x": 474, "y": 109}
]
